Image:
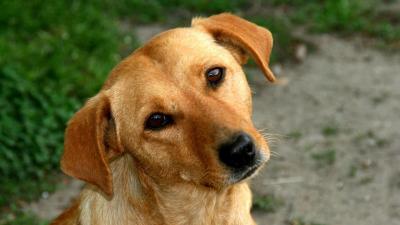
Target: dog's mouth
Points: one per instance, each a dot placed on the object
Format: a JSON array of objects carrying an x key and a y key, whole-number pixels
[
  {"x": 244, "y": 173},
  {"x": 250, "y": 172}
]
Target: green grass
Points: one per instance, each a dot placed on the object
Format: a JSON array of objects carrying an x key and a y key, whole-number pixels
[
  {"x": 379, "y": 99},
  {"x": 352, "y": 171},
  {"x": 324, "y": 158},
  {"x": 267, "y": 203},
  {"x": 284, "y": 41},
  {"x": 345, "y": 17},
  {"x": 24, "y": 219},
  {"x": 56, "y": 55},
  {"x": 330, "y": 130},
  {"x": 161, "y": 11},
  {"x": 15, "y": 216},
  {"x": 362, "y": 138},
  {"x": 14, "y": 190},
  {"x": 295, "y": 135}
]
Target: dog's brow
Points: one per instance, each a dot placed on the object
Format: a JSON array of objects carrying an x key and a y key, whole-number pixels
[{"x": 158, "y": 104}]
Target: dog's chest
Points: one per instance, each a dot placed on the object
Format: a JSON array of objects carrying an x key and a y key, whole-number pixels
[{"x": 206, "y": 208}]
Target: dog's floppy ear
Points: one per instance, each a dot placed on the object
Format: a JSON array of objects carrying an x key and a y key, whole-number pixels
[
  {"x": 255, "y": 40},
  {"x": 84, "y": 154}
]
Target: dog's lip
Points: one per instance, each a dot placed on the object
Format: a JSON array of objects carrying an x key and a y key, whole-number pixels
[
  {"x": 246, "y": 173},
  {"x": 250, "y": 171}
]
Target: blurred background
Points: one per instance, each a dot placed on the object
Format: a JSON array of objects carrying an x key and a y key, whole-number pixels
[{"x": 332, "y": 119}]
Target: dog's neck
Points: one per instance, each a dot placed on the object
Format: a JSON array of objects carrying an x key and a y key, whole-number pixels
[{"x": 136, "y": 199}]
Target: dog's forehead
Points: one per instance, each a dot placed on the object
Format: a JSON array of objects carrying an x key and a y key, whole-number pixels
[
  {"x": 173, "y": 51},
  {"x": 172, "y": 59},
  {"x": 176, "y": 42},
  {"x": 178, "y": 49}
]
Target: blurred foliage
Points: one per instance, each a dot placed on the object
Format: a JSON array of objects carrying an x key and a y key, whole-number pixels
[
  {"x": 55, "y": 54},
  {"x": 324, "y": 158},
  {"x": 284, "y": 41},
  {"x": 141, "y": 11},
  {"x": 267, "y": 203},
  {"x": 343, "y": 16},
  {"x": 25, "y": 219},
  {"x": 16, "y": 216}
]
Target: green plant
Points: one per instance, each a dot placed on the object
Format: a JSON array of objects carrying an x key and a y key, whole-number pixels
[
  {"x": 330, "y": 130},
  {"x": 25, "y": 219},
  {"x": 343, "y": 17},
  {"x": 267, "y": 203},
  {"x": 325, "y": 158},
  {"x": 352, "y": 171},
  {"x": 159, "y": 10},
  {"x": 284, "y": 41},
  {"x": 370, "y": 135},
  {"x": 57, "y": 55},
  {"x": 16, "y": 216},
  {"x": 295, "y": 135}
]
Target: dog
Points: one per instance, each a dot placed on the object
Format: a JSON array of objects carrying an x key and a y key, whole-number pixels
[{"x": 169, "y": 137}]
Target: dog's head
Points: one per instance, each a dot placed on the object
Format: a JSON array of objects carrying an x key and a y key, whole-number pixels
[{"x": 180, "y": 106}]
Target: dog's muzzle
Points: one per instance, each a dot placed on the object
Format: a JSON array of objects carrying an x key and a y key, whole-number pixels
[{"x": 240, "y": 155}]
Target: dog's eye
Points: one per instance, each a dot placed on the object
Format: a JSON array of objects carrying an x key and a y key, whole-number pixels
[
  {"x": 215, "y": 75},
  {"x": 157, "y": 121}
]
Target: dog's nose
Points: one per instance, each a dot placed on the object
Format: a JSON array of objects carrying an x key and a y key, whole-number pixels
[{"x": 239, "y": 152}]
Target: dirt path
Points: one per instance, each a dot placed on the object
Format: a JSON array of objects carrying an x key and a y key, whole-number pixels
[
  {"x": 339, "y": 149},
  {"x": 340, "y": 162}
]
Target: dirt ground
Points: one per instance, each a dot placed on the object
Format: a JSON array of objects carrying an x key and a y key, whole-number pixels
[
  {"x": 343, "y": 99},
  {"x": 334, "y": 122}
]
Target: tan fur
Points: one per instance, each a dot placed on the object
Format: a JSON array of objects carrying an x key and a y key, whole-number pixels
[{"x": 171, "y": 176}]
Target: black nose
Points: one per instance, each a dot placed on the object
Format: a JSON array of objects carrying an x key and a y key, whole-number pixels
[{"x": 239, "y": 152}]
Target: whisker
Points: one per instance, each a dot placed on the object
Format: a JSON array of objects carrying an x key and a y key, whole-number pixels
[
  {"x": 272, "y": 138},
  {"x": 262, "y": 130},
  {"x": 275, "y": 154}
]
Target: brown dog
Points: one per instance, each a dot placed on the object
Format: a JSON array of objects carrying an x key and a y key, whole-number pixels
[{"x": 169, "y": 138}]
